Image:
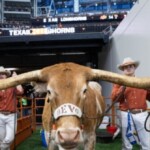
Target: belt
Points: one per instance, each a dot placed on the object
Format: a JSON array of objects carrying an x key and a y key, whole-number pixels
[
  {"x": 135, "y": 111},
  {"x": 5, "y": 112}
]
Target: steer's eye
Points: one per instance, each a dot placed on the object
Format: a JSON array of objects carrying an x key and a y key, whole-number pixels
[
  {"x": 48, "y": 92},
  {"x": 84, "y": 91}
]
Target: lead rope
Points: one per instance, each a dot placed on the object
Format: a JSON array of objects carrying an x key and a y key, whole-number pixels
[
  {"x": 146, "y": 121},
  {"x": 116, "y": 100},
  {"x": 108, "y": 109},
  {"x": 136, "y": 129}
]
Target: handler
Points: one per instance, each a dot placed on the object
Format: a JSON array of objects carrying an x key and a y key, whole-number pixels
[
  {"x": 132, "y": 105},
  {"x": 8, "y": 109}
]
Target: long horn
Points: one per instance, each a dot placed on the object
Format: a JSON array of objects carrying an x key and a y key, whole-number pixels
[
  {"x": 20, "y": 79},
  {"x": 138, "y": 82}
]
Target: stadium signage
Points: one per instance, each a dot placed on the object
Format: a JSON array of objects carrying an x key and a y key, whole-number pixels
[
  {"x": 52, "y": 20},
  {"x": 81, "y": 18},
  {"x": 61, "y": 30},
  {"x": 19, "y": 32},
  {"x": 41, "y": 31}
]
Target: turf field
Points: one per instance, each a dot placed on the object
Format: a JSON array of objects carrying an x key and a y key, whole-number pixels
[{"x": 34, "y": 143}]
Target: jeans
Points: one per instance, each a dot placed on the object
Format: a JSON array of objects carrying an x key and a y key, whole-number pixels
[
  {"x": 8, "y": 126},
  {"x": 144, "y": 136}
]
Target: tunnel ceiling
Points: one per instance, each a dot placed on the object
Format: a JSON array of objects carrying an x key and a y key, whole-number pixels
[{"x": 35, "y": 52}]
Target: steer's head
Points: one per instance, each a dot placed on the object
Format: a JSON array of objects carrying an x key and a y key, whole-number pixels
[{"x": 67, "y": 85}]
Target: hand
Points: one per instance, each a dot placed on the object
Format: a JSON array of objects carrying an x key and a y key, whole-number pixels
[
  {"x": 121, "y": 89},
  {"x": 14, "y": 74}
]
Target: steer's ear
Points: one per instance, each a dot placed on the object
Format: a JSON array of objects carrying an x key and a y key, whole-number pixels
[
  {"x": 39, "y": 87},
  {"x": 47, "y": 114}
]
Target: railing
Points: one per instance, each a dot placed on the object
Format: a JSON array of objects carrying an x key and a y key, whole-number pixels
[
  {"x": 112, "y": 113},
  {"x": 35, "y": 109},
  {"x": 39, "y": 104},
  {"x": 27, "y": 122}
]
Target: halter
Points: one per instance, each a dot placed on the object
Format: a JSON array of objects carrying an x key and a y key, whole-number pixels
[{"x": 67, "y": 109}]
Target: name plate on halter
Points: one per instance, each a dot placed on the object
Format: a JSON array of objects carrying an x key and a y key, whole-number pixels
[{"x": 67, "y": 109}]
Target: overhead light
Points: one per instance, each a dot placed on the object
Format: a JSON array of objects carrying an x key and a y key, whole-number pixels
[
  {"x": 73, "y": 53},
  {"x": 47, "y": 54}
]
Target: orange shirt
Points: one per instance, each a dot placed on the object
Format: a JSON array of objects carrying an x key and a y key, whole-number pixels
[
  {"x": 8, "y": 100},
  {"x": 132, "y": 98}
]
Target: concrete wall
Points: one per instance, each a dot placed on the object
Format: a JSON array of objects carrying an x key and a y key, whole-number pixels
[{"x": 130, "y": 39}]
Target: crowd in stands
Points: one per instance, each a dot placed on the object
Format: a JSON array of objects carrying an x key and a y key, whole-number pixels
[
  {"x": 15, "y": 25},
  {"x": 17, "y": 6},
  {"x": 80, "y": 27},
  {"x": 25, "y": 9}
]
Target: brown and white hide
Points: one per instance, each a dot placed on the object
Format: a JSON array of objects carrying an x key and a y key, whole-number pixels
[{"x": 70, "y": 132}]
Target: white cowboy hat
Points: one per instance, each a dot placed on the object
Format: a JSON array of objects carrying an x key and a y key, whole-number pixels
[
  {"x": 3, "y": 70},
  {"x": 128, "y": 61}
]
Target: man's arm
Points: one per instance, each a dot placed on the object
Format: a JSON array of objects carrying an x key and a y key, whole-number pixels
[
  {"x": 116, "y": 91},
  {"x": 19, "y": 88}
]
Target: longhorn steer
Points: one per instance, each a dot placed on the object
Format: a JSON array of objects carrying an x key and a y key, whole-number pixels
[
  {"x": 76, "y": 108},
  {"x": 72, "y": 100}
]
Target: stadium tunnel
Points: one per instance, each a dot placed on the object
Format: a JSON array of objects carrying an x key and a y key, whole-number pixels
[{"x": 35, "y": 52}]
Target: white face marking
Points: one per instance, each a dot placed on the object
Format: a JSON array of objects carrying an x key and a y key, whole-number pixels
[
  {"x": 95, "y": 86},
  {"x": 99, "y": 108}
]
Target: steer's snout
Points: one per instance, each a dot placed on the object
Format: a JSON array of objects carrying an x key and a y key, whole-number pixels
[
  {"x": 68, "y": 135},
  {"x": 69, "y": 138}
]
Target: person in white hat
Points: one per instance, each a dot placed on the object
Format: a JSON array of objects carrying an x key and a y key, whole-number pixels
[
  {"x": 127, "y": 62},
  {"x": 8, "y": 109},
  {"x": 133, "y": 106}
]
